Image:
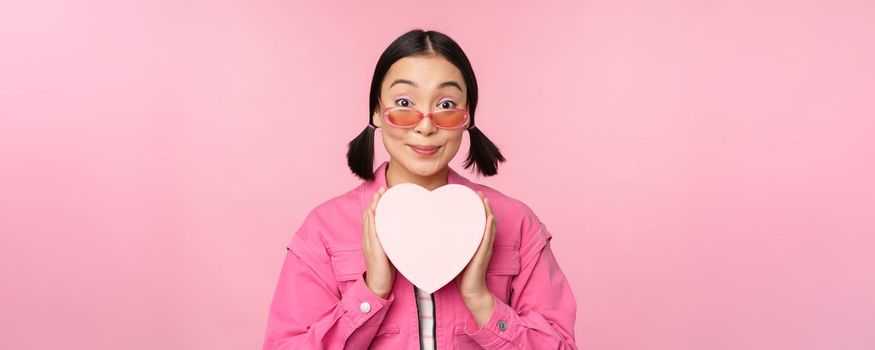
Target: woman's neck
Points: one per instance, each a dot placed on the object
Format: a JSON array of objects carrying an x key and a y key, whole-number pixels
[{"x": 397, "y": 174}]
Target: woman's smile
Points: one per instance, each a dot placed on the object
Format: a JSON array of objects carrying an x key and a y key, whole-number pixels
[{"x": 424, "y": 150}]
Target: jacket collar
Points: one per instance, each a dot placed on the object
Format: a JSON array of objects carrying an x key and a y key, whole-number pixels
[{"x": 371, "y": 187}]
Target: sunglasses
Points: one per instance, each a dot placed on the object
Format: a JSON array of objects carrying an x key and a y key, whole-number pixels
[{"x": 406, "y": 117}]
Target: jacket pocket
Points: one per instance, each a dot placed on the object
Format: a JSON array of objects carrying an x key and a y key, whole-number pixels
[
  {"x": 347, "y": 262},
  {"x": 504, "y": 265},
  {"x": 388, "y": 328},
  {"x": 386, "y": 337}
]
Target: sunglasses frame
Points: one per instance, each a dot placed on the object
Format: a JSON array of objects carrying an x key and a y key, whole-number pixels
[{"x": 384, "y": 112}]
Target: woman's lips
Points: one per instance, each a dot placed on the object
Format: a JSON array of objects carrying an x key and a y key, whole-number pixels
[{"x": 425, "y": 150}]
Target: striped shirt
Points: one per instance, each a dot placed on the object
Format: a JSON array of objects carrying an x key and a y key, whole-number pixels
[{"x": 425, "y": 306}]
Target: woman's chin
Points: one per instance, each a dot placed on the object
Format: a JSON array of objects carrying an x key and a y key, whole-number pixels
[{"x": 424, "y": 167}]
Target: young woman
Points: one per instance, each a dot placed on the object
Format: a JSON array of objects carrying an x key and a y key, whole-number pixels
[{"x": 337, "y": 289}]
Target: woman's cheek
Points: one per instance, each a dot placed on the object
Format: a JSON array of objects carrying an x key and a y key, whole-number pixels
[
  {"x": 393, "y": 140},
  {"x": 453, "y": 145}
]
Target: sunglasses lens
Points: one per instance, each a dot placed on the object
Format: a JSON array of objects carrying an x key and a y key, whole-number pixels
[
  {"x": 404, "y": 117},
  {"x": 449, "y": 119},
  {"x": 443, "y": 119}
]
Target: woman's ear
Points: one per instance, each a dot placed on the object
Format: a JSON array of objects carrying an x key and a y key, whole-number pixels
[{"x": 376, "y": 119}]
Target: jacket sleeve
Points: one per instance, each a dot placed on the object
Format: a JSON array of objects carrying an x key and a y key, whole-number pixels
[
  {"x": 544, "y": 308},
  {"x": 308, "y": 310}
]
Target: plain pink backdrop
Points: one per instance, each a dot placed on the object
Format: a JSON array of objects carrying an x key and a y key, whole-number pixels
[{"x": 706, "y": 167}]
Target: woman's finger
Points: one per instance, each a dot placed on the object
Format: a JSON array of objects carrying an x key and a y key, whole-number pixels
[
  {"x": 374, "y": 200},
  {"x": 369, "y": 218},
  {"x": 373, "y": 228},
  {"x": 491, "y": 228},
  {"x": 490, "y": 217},
  {"x": 485, "y": 242},
  {"x": 372, "y": 212},
  {"x": 366, "y": 247},
  {"x": 366, "y": 232}
]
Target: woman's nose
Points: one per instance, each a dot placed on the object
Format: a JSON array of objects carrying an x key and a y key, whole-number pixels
[{"x": 425, "y": 126}]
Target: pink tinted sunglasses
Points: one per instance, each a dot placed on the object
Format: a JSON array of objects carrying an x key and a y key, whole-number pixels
[{"x": 406, "y": 117}]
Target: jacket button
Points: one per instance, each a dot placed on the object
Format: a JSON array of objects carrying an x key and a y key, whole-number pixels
[
  {"x": 502, "y": 326},
  {"x": 365, "y": 307}
]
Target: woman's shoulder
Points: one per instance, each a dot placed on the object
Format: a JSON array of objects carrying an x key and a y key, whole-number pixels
[
  {"x": 336, "y": 221},
  {"x": 514, "y": 217},
  {"x": 342, "y": 205},
  {"x": 502, "y": 200}
]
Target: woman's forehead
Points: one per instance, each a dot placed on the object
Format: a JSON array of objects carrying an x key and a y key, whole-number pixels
[{"x": 424, "y": 73}]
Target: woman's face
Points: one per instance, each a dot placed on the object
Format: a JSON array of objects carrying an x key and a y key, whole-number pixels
[{"x": 426, "y": 83}]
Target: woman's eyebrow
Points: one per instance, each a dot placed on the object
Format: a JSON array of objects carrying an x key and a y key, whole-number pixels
[
  {"x": 450, "y": 83},
  {"x": 442, "y": 85}
]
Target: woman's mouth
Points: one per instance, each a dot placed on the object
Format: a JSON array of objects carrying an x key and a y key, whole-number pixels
[{"x": 424, "y": 150}]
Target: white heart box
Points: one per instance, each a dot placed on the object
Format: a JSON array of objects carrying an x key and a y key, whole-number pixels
[{"x": 430, "y": 236}]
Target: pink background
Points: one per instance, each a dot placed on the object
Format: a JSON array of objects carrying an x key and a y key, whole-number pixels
[{"x": 705, "y": 166}]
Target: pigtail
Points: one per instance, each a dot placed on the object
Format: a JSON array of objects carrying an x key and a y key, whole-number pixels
[
  {"x": 483, "y": 153},
  {"x": 360, "y": 156}
]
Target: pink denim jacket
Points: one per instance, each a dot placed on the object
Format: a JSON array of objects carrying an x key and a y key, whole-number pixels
[{"x": 321, "y": 300}]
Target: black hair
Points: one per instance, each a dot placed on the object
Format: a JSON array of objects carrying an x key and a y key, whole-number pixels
[{"x": 483, "y": 153}]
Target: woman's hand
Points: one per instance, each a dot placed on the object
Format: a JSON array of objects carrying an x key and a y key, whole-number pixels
[
  {"x": 472, "y": 281},
  {"x": 380, "y": 272}
]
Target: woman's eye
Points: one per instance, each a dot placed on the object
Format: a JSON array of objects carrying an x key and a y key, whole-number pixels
[
  {"x": 402, "y": 102},
  {"x": 447, "y": 104}
]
